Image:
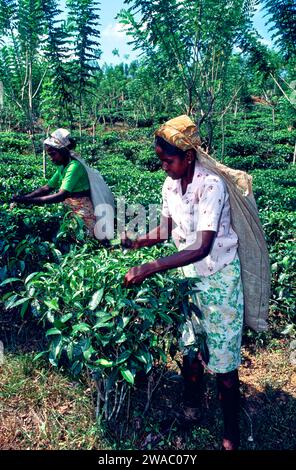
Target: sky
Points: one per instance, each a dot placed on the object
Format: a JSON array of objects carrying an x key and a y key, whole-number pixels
[
  {"x": 111, "y": 35},
  {"x": 113, "y": 38}
]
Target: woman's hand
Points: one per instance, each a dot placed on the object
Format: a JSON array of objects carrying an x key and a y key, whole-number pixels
[
  {"x": 18, "y": 199},
  {"x": 137, "y": 275},
  {"x": 127, "y": 242}
]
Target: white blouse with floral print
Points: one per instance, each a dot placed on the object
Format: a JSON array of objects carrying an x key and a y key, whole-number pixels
[{"x": 204, "y": 206}]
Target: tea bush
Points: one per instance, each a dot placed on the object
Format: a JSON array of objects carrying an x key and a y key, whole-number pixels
[
  {"x": 280, "y": 229},
  {"x": 275, "y": 189},
  {"x": 11, "y": 142},
  {"x": 73, "y": 286},
  {"x": 243, "y": 145},
  {"x": 92, "y": 321}
]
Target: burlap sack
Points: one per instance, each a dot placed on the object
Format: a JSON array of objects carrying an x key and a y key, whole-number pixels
[{"x": 102, "y": 199}]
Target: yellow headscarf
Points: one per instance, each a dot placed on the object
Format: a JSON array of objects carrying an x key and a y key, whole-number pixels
[
  {"x": 183, "y": 133},
  {"x": 180, "y": 132}
]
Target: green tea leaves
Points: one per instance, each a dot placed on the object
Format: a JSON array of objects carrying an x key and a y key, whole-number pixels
[
  {"x": 96, "y": 299},
  {"x": 128, "y": 376},
  {"x": 81, "y": 328},
  {"x": 53, "y": 331}
]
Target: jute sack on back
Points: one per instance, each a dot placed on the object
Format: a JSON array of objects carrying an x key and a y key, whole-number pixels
[
  {"x": 252, "y": 247},
  {"x": 102, "y": 199}
]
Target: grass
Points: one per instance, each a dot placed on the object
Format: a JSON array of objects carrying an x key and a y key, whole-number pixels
[
  {"x": 269, "y": 388},
  {"x": 42, "y": 408}
]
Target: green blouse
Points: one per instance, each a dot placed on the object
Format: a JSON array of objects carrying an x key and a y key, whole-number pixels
[{"x": 72, "y": 178}]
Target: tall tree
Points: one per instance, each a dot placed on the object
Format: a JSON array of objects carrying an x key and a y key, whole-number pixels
[
  {"x": 57, "y": 89},
  {"x": 191, "y": 42},
  {"x": 21, "y": 25},
  {"x": 29, "y": 27},
  {"x": 282, "y": 15},
  {"x": 83, "y": 23}
]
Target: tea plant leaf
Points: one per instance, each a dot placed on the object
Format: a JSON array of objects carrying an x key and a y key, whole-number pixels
[
  {"x": 123, "y": 357},
  {"x": 104, "y": 362},
  {"x": 9, "y": 280},
  {"x": 77, "y": 367},
  {"x": 128, "y": 376},
  {"x": 66, "y": 317},
  {"x": 103, "y": 323},
  {"x": 52, "y": 304},
  {"x": 96, "y": 299},
  {"x": 124, "y": 321},
  {"x": 288, "y": 329},
  {"x": 25, "y": 307},
  {"x": 81, "y": 328},
  {"x": 39, "y": 355},
  {"x": 10, "y": 301},
  {"x": 28, "y": 279},
  {"x": 19, "y": 302},
  {"x": 121, "y": 338},
  {"x": 53, "y": 331},
  {"x": 141, "y": 357},
  {"x": 55, "y": 351},
  {"x": 165, "y": 317},
  {"x": 161, "y": 353},
  {"x": 70, "y": 349},
  {"x": 88, "y": 353}
]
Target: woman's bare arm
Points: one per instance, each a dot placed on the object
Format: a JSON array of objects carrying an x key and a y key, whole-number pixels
[
  {"x": 60, "y": 196},
  {"x": 157, "y": 235},
  {"x": 42, "y": 191}
]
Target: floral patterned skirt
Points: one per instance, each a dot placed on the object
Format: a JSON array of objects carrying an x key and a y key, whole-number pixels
[
  {"x": 83, "y": 207},
  {"x": 220, "y": 299}
]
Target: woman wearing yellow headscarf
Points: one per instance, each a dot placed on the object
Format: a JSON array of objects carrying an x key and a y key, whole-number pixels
[{"x": 211, "y": 214}]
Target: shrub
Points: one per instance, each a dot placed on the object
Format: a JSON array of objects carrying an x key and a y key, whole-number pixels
[
  {"x": 110, "y": 138},
  {"x": 275, "y": 189},
  {"x": 129, "y": 149},
  {"x": 243, "y": 145},
  {"x": 15, "y": 142},
  {"x": 93, "y": 322}
]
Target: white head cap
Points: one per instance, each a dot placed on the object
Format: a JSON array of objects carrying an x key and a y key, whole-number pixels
[{"x": 58, "y": 139}]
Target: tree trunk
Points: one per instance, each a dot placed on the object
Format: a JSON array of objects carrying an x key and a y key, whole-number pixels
[
  {"x": 223, "y": 138},
  {"x": 30, "y": 104},
  {"x": 94, "y": 131},
  {"x": 190, "y": 101},
  {"x": 44, "y": 163},
  {"x": 235, "y": 110},
  {"x": 44, "y": 157},
  {"x": 1, "y": 96}
]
